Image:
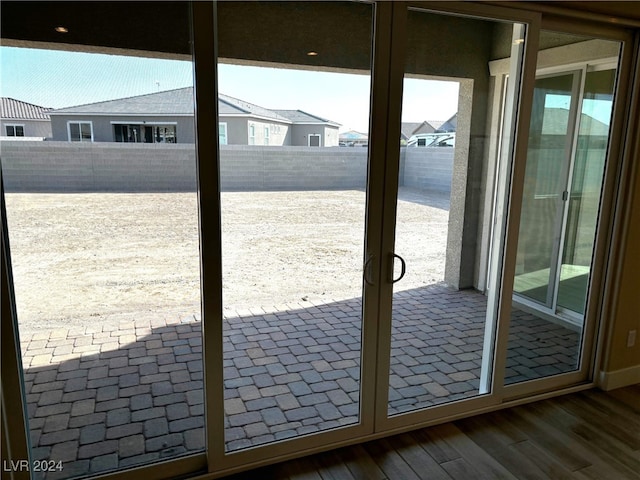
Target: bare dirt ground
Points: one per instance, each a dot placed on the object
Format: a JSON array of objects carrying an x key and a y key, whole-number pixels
[{"x": 81, "y": 258}]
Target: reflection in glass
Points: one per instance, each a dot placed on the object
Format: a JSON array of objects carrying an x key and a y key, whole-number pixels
[
  {"x": 569, "y": 132},
  {"x": 586, "y": 184}
]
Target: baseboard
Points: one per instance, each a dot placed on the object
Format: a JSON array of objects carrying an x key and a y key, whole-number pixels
[{"x": 619, "y": 378}]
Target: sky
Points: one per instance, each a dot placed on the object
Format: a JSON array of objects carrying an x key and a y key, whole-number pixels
[{"x": 57, "y": 79}]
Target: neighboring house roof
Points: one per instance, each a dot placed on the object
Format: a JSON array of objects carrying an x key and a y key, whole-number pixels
[
  {"x": 407, "y": 128},
  {"x": 449, "y": 125},
  {"x": 170, "y": 102},
  {"x": 12, "y": 109},
  {"x": 411, "y": 128},
  {"x": 232, "y": 106},
  {"x": 298, "y": 116},
  {"x": 353, "y": 136},
  {"x": 180, "y": 102}
]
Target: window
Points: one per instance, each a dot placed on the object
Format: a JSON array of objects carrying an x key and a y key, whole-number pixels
[
  {"x": 266, "y": 135},
  {"x": 80, "y": 131},
  {"x": 163, "y": 133},
  {"x": 314, "y": 140},
  {"x": 138, "y": 133},
  {"x": 15, "y": 130},
  {"x": 252, "y": 134},
  {"x": 222, "y": 133}
]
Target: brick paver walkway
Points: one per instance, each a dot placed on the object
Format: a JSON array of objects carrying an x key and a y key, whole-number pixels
[{"x": 104, "y": 397}]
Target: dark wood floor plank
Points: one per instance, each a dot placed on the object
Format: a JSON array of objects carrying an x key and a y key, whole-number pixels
[
  {"x": 271, "y": 472},
  {"x": 435, "y": 446},
  {"x": 630, "y": 396},
  {"x": 597, "y": 443},
  {"x": 491, "y": 438},
  {"x": 423, "y": 464},
  {"x": 489, "y": 426},
  {"x": 549, "y": 439},
  {"x": 390, "y": 461},
  {"x": 299, "y": 469},
  {"x": 544, "y": 463},
  {"x": 620, "y": 408},
  {"x": 360, "y": 463},
  {"x": 331, "y": 467},
  {"x": 485, "y": 465},
  {"x": 625, "y": 430},
  {"x": 460, "y": 469}
]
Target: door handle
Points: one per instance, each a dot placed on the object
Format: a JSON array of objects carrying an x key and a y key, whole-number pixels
[
  {"x": 366, "y": 269},
  {"x": 403, "y": 267}
]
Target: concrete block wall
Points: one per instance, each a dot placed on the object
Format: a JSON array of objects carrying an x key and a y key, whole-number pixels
[
  {"x": 78, "y": 167},
  {"x": 292, "y": 168},
  {"x": 64, "y": 167},
  {"x": 427, "y": 168}
]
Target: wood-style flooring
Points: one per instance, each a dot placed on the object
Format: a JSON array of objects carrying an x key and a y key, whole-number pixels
[{"x": 587, "y": 435}]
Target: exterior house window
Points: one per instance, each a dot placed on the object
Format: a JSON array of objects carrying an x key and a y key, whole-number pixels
[
  {"x": 252, "y": 134},
  {"x": 15, "y": 130},
  {"x": 80, "y": 131},
  {"x": 314, "y": 140},
  {"x": 266, "y": 135},
  {"x": 222, "y": 133},
  {"x": 164, "y": 133},
  {"x": 138, "y": 133}
]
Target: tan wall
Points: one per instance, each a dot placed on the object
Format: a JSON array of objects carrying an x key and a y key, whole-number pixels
[{"x": 626, "y": 315}]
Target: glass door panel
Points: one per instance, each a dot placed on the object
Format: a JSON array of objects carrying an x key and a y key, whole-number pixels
[
  {"x": 293, "y": 198},
  {"x": 586, "y": 186},
  {"x": 442, "y": 328},
  {"x": 550, "y": 142},
  {"x": 105, "y": 259},
  {"x": 561, "y": 210}
]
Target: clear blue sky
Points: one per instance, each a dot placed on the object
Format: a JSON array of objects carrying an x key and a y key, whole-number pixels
[{"x": 59, "y": 79}]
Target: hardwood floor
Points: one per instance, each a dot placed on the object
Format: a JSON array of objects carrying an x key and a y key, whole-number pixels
[{"x": 588, "y": 435}]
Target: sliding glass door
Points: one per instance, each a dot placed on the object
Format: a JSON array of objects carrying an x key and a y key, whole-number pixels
[
  {"x": 563, "y": 191},
  {"x": 440, "y": 321},
  {"x": 395, "y": 223}
]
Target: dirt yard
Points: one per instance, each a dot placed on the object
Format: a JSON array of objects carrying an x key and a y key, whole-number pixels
[{"x": 80, "y": 258}]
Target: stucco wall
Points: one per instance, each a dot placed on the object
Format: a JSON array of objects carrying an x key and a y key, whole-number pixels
[
  {"x": 32, "y": 128},
  {"x": 300, "y": 135},
  {"x": 65, "y": 166},
  {"x": 277, "y": 133},
  {"x": 103, "y": 126}
]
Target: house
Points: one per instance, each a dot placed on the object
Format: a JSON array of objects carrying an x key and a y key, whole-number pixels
[
  {"x": 22, "y": 119},
  {"x": 448, "y": 125},
  {"x": 409, "y": 129},
  {"x": 310, "y": 130},
  {"x": 167, "y": 117},
  {"x": 353, "y": 138}
]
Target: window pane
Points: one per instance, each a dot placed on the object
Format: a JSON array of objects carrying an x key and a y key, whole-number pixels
[
  {"x": 74, "y": 132},
  {"x": 105, "y": 258},
  {"x": 566, "y": 160},
  {"x": 292, "y": 219},
  {"x": 441, "y": 342}
]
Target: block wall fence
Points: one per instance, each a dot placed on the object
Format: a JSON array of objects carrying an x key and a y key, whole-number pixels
[{"x": 46, "y": 166}]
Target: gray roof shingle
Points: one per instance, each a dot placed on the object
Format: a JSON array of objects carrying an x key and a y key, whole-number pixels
[
  {"x": 180, "y": 102},
  {"x": 298, "y": 116},
  {"x": 10, "y": 108},
  {"x": 170, "y": 102},
  {"x": 230, "y": 105}
]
